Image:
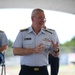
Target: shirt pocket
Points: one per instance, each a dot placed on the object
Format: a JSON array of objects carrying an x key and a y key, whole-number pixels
[{"x": 28, "y": 43}]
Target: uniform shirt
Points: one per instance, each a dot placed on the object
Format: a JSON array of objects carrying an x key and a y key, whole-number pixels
[
  {"x": 54, "y": 36},
  {"x": 3, "y": 39},
  {"x": 29, "y": 39}
]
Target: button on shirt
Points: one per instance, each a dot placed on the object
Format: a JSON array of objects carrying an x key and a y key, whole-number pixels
[
  {"x": 3, "y": 39},
  {"x": 29, "y": 39}
]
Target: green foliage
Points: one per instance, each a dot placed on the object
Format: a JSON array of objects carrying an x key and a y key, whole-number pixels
[
  {"x": 73, "y": 39},
  {"x": 10, "y": 43},
  {"x": 69, "y": 46},
  {"x": 9, "y": 51},
  {"x": 70, "y": 43}
]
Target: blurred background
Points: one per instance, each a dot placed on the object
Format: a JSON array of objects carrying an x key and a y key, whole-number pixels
[{"x": 60, "y": 16}]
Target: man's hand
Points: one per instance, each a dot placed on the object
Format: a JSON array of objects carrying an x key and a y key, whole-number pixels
[
  {"x": 55, "y": 46},
  {"x": 39, "y": 48},
  {"x": 56, "y": 49}
]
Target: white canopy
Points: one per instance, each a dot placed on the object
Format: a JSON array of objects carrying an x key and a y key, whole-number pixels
[{"x": 67, "y": 6}]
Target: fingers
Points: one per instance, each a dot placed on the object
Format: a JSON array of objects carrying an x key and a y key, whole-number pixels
[
  {"x": 54, "y": 43},
  {"x": 57, "y": 43},
  {"x": 55, "y": 46},
  {"x": 40, "y": 44},
  {"x": 39, "y": 48}
]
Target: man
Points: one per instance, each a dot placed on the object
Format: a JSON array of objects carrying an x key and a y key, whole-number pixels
[
  {"x": 3, "y": 44},
  {"x": 33, "y": 44},
  {"x": 53, "y": 61}
]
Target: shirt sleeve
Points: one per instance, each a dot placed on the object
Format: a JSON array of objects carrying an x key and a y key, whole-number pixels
[
  {"x": 55, "y": 37},
  {"x": 4, "y": 39},
  {"x": 18, "y": 41}
]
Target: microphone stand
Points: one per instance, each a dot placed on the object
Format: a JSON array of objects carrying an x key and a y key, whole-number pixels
[{"x": 3, "y": 66}]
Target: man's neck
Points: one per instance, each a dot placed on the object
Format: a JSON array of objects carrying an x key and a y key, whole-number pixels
[{"x": 36, "y": 30}]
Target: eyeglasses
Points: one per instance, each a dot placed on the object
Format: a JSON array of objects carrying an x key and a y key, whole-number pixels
[{"x": 41, "y": 18}]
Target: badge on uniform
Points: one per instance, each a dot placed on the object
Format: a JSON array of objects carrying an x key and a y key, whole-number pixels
[
  {"x": 46, "y": 42},
  {"x": 27, "y": 38}
]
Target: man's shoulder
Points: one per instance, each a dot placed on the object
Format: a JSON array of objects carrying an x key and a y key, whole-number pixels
[
  {"x": 51, "y": 29},
  {"x": 46, "y": 30},
  {"x": 26, "y": 29},
  {"x": 1, "y": 31}
]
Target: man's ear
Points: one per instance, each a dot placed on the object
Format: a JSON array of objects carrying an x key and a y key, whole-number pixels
[{"x": 32, "y": 18}]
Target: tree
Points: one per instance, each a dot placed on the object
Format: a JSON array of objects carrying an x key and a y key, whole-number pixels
[
  {"x": 69, "y": 46},
  {"x": 70, "y": 43},
  {"x": 10, "y": 43}
]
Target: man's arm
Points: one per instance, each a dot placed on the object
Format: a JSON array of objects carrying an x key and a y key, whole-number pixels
[
  {"x": 2, "y": 48},
  {"x": 27, "y": 51},
  {"x": 56, "y": 49},
  {"x": 56, "y": 53}
]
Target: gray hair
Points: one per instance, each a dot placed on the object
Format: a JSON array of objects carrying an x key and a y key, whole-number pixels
[{"x": 35, "y": 11}]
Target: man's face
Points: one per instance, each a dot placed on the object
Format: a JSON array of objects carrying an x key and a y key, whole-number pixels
[{"x": 39, "y": 19}]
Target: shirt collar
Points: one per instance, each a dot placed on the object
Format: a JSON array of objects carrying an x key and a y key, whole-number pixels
[
  {"x": 30, "y": 29},
  {"x": 43, "y": 30}
]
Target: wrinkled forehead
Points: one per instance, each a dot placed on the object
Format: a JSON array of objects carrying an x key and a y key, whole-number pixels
[{"x": 39, "y": 14}]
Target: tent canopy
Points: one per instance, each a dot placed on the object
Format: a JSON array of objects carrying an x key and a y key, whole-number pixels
[{"x": 67, "y": 6}]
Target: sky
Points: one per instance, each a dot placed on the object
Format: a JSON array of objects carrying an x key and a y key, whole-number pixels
[{"x": 12, "y": 20}]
